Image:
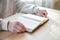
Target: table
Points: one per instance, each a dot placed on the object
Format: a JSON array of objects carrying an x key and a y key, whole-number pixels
[{"x": 48, "y": 31}]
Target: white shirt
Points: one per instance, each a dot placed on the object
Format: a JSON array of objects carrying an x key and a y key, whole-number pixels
[
  {"x": 22, "y": 7},
  {"x": 3, "y": 24}
]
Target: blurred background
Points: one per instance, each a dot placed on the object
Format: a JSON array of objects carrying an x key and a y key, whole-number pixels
[
  {"x": 54, "y": 4},
  {"x": 8, "y": 6}
]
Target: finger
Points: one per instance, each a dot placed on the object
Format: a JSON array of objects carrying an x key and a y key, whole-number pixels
[
  {"x": 21, "y": 25},
  {"x": 42, "y": 13},
  {"x": 45, "y": 13},
  {"x": 19, "y": 28},
  {"x": 15, "y": 30}
]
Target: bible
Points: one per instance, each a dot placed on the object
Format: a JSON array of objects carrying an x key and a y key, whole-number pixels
[{"x": 31, "y": 22}]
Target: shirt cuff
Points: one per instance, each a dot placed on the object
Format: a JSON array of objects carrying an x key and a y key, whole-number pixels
[
  {"x": 35, "y": 10},
  {"x": 4, "y": 24}
]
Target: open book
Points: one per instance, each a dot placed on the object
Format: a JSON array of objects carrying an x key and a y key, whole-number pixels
[{"x": 30, "y": 21}]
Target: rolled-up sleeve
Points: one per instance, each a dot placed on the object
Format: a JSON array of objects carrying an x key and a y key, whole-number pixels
[
  {"x": 26, "y": 8},
  {"x": 0, "y": 25},
  {"x": 3, "y": 24},
  {"x": 30, "y": 8}
]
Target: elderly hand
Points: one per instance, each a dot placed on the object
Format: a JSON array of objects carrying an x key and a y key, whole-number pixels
[
  {"x": 16, "y": 27},
  {"x": 42, "y": 13}
]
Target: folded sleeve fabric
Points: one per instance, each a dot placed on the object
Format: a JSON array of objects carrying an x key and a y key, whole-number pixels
[
  {"x": 3, "y": 24},
  {"x": 26, "y": 8},
  {"x": 30, "y": 8},
  {"x": 0, "y": 25}
]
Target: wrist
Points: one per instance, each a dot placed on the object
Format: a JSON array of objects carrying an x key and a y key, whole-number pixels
[{"x": 8, "y": 25}]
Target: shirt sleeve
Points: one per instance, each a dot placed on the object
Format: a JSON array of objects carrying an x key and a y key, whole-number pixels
[
  {"x": 0, "y": 25},
  {"x": 30, "y": 8},
  {"x": 26, "y": 8},
  {"x": 4, "y": 24}
]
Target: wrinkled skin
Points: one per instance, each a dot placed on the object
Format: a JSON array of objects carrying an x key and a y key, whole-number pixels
[{"x": 16, "y": 27}]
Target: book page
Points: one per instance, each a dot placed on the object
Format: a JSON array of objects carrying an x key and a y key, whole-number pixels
[
  {"x": 34, "y": 17},
  {"x": 28, "y": 23}
]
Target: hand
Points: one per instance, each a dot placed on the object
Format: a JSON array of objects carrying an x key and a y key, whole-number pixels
[
  {"x": 16, "y": 27},
  {"x": 42, "y": 13}
]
